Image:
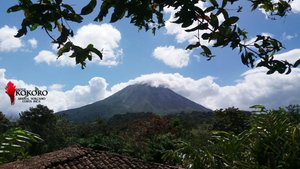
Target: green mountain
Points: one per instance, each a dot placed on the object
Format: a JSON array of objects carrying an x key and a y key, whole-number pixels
[{"x": 134, "y": 98}]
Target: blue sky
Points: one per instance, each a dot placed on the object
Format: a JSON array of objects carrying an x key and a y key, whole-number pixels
[{"x": 132, "y": 56}]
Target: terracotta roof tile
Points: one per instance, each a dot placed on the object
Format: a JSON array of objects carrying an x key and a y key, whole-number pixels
[{"x": 76, "y": 157}]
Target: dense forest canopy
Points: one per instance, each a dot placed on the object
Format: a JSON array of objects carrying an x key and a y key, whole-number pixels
[{"x": 225, "y": 138}]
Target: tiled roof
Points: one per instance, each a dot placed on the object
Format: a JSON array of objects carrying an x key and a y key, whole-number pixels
[{"x": 76, "y": 157}]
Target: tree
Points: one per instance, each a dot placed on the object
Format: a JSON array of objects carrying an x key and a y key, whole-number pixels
[
  {"x": 231, "y": 120},
  {"x": 294, "y": 111},
  {"x": 112, "y": 143},
  {"x": 4, "y": 123},
  {"x": 54, "y": 15},
  {"x": 35, "y": 119},
  {"x": 41, "y": 120},
  {"x": 158, "y": 145}
]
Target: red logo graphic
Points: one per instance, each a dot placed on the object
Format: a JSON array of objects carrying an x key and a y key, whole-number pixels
[{"x": 10, "y": 91}]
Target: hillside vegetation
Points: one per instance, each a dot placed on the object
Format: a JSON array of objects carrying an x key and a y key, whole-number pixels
[{"x": 226, "y": 138}]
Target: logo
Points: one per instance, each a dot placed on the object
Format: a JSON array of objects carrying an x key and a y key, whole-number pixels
[
  {"x": 10, "y": 91},
  {"x": 25, "y": 95}
]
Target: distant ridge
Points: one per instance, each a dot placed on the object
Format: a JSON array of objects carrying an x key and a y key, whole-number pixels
[{"x": 135, "y": 98}]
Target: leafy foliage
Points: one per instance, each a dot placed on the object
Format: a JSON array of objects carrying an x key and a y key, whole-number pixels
[
  {"x": 42, "y": 121},
  {"x": 149, "y": 15},
  {"x": 294, "y": 112},
  {"x": 14, "y": 144},
  {"x": 267, "y": 139},
  {"x": 112, "y": 143},
  {"x": 231, "y": 120},
  {"x": 273, "y": 141},
  {"x": 4, "y": 123},
  {"x": 51, "y": 15},
  {"x": 277, "y": 143}
]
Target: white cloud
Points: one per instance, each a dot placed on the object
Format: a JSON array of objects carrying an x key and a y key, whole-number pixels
[
  {"x": 295, "y": 6},
  {"x": 57, "y": 99},
  {"x": 172, "y": 56},
  {"x": 254, "y": 87},
  {"x": 57, "y": 87},
  {"x": 45, "y": 56},
  {"x": 33, "y": 42},
  {"x": 291, "y": 56},
  {"x": 49, "y": 57},
  {"x": 7, "y": 40},
  {"x": 197, "y": 90},
  {"x": 104, "y": 37},
  {"x": 79, "y": 95}
]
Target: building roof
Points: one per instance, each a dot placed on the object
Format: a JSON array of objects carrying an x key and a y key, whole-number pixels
[{"x": 76, "y": 157}]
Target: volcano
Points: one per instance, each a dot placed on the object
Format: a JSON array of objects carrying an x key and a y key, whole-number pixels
[{"x": 133, "y": 99}]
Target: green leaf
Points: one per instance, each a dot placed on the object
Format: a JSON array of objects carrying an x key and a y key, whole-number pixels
[
  {"x": 64, "y": 49},
  {"x": 15, "y": 142},
  {"x": 21, "y": 32},
  {"x": 91, "y": 48},
  {"x": 89, "y": 57},
  {"x": 214, "y": 3},
  {"x": 120, "y": 12},
  {"x": 224, "y": 3},
  {"x": 192, "y": 46},
  {"x": 230, "y": 21},
  {"x": 96, "y": 51},
  {"x": 187, "y": 23},
  {"x": 233, "y": 19},
  {"x": 34, "y": 26},
  {"x": 247, "y": 59},
  {"x": 297, "y": 63},
  {"x": 261, "y": 64},
  {"x": 244, "y": 59},
  {"x": 201, "y": 26},
  {"x": 209, "y": 9},
  {"x": 48, "y": 26},
  {"x": 75, "y": 17},
  {"x": 105, "y": 6},
  {"x": 63, "y": 36},
  {"x": 271, "y": 71},
  {"x": 214, "y": 21},
  {"x": 14, "y": 8},
  {"x": 114, "y": 17},
  {"x": 205, "y": 36},
  {"x": 89, "y": 8},
  {"x": 206, "y": 50},
  {"x": 294, "y": 134},
  {"x": 68, "y": 7}
]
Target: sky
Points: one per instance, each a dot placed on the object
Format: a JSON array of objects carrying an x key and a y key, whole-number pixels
[{"x": 133, "y": 57}]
